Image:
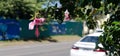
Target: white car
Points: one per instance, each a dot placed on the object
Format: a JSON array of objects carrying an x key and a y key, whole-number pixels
[
  {"x": 86, "y": 46},
  {"x": 98, "y": 30}
]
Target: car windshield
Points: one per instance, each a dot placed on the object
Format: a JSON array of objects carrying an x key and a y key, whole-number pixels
[{"x": 90, "y": 39}]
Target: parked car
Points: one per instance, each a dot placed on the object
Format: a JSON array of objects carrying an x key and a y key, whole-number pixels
[{"x": 86, "y": 46}]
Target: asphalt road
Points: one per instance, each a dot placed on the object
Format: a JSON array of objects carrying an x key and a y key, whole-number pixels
[{"x": 39, "y": 49}]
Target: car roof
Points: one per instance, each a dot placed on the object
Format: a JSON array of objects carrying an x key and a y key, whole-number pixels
[
  {"x": 99, "y": 30},
  {"x": 94, "y": 34}
]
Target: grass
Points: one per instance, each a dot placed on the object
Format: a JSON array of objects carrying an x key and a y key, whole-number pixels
[{"x": 58, "y": 38}]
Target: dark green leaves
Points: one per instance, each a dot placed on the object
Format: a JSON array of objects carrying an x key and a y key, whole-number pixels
[
  {"x": 22, "y": 9},
  {"x": 111, "y": 36},
  {"x": 96, "y": 4}
]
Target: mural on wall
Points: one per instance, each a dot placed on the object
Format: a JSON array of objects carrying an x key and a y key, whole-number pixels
[
  {"x": 9, "y": 29},
  {"x": 58, "y": 29}
]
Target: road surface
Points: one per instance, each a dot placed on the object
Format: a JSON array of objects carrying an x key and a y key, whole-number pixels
[{"x": 39, "y": 49}]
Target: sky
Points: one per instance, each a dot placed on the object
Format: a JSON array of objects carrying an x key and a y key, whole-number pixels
[{"x": 52, "y": 4}]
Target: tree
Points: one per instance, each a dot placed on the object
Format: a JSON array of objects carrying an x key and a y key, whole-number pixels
[
  {"x": 69, "y": 5},
  {"x": 85, "y": 9},
  {"x": 22, "y": 9},
  {"x": 111, "y": 36}
]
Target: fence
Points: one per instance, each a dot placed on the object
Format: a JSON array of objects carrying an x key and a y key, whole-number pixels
[
  {"x": 47, "y": 30},
  {"x": 9, "y": 29},
  {"x": 19, "y": 29}
]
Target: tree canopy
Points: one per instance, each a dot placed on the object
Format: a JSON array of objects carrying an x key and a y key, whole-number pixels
[{"x": 22, "y": 9}]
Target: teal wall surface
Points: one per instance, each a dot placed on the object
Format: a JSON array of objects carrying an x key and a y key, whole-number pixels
[{"x": 53, "y": 28}]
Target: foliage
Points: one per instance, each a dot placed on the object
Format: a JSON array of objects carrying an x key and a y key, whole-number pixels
[
  {"x": 89, "y": 8},
  {"x": 91, "y": 23},
  {"x": 111, "y": 36},
  {"x": 22, "y": 9}
]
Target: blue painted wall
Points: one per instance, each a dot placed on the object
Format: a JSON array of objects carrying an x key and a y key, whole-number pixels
[{"x": 10, "y": 27}]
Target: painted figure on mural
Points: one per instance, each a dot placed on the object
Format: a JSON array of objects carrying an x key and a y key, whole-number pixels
[{"x": 36, "y": 23}]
